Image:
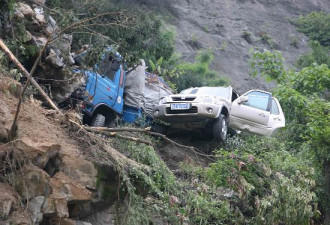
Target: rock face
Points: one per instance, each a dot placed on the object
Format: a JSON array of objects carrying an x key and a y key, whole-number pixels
[
  {"x": 44, "y": 178},
  {"x": 231, "y": 27}
]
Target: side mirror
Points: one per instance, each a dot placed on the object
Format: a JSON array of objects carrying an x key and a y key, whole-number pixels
[{"x": 242, "y": 99}]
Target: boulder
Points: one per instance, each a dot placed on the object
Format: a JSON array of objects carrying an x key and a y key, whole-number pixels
[
  {"x": 31, "y": 182},
  {"x": 34, "y": 208},
  {"x": 55, "y": 60},
  {"x": 8, "y": 199},
  {"x": 39, "y": 41},
  {"x": 19, "y": 217},
  {"x": 38, "y": 152},
  {"x": 18, "y": 14},
  {"x": 25, "y": 9},
  {"x": 55, "y": 206},
  {"x": 69, "y": 189},
  {"x": 51, "y": 26},
  {"x": 40, "y": 15},
  {"x": 80, "y": 170},
  {"x": 63, "y": 44}
]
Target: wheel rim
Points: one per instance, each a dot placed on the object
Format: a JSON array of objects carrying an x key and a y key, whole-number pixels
[{"x": 224, "y": 128}]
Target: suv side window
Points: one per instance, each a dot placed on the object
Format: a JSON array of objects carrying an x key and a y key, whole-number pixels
[
  {"x": 259, "y": 100},
  {"x": 108, "y": 66},
  {"x": 274, "y": 109}
]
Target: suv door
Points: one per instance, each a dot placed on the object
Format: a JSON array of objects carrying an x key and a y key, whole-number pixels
[
  {"x": 251, "y": 112},
  {"x": 277, "y": 118}
]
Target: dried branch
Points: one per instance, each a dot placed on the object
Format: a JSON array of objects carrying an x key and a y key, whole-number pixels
[
  {"x": 120, "y": 159},
  {"x": 114, "y": 134},
  {"x": 147, "y": 131}
]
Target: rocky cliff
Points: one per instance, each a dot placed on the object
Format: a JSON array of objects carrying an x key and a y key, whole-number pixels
[
  {"x": 232, "y": 27},
  {"x": 46, "y": 175}
]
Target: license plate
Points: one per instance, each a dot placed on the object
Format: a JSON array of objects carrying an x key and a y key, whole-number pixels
[{"x": 180, "y": 106}]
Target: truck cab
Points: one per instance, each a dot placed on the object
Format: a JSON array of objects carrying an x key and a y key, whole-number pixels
[{"x": 103, "y": 97}]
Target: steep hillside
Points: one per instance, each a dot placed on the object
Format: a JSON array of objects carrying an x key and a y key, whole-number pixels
[{"x": 230, "y": 28}]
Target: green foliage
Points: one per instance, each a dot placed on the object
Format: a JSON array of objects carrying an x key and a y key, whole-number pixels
[
  {"x": 135, "y": 34},
  {"x": 294, "y": 41},
  {"x": 273, "y": 185},
  {"x": 316, "y": 26},
  {"x": 319, "y": 54},
  {"x": 198, "y": 73},
  {"x": 268, "y": 64},
  {"x": 7, "y": 5},
  {"x": 267, "y": 39},
  {"x": 305, "y": 101}
]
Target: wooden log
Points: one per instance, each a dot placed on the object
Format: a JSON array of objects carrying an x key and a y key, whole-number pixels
[{"x": 12, "y": 57}]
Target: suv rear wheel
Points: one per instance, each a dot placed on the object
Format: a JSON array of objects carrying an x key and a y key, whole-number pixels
[{"x": 220, "y": 128}]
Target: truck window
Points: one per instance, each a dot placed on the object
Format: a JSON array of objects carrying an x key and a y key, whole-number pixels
[{"x": 108, "y": 66}]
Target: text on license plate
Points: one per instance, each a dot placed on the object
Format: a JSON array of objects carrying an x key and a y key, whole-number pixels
[{"x": 180, "y": 106}]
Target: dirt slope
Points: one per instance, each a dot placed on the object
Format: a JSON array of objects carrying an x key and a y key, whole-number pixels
[{"x": 220, "y": 24}]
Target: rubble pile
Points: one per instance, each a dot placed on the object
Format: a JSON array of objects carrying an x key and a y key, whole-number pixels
[
  {"x": 44, "y": 178},
  {"x": 54, "y": 70}
]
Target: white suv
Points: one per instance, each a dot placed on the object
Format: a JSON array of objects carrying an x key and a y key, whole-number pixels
[{"x": 214, "y": 108}]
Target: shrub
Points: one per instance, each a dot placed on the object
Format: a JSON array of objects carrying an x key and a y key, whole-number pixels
[
  {"x": 316, "y": 26},
  {"x": 319, "y": 54}
]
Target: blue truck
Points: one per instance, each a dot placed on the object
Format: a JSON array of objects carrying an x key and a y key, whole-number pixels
[{"x": 111, "y": 94}]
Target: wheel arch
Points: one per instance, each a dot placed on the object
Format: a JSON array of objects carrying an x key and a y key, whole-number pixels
[
  {"x": 104, "y": 110},
  {"x": 225, "y": 112}
]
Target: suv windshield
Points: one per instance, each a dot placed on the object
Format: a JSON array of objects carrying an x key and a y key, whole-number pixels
[{"x": 213, "y": 91}]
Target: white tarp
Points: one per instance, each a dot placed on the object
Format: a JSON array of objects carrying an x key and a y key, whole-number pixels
[
  {"x": 155, "y": 89},
  {"x": 144, "y": 90},
  {"x": 134, "y": 86}
]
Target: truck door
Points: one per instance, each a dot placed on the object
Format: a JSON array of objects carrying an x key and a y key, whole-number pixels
[
  {"x": 104, "y": 83},
  {"x": 251, "y": 112}
]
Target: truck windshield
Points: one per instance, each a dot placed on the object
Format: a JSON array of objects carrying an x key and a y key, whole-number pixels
[
  {"x": 213, "y": 91},
  {"x": 108, "y": 66}
]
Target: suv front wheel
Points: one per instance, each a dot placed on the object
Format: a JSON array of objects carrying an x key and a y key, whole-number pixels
[{"x": 220, "y": 128}]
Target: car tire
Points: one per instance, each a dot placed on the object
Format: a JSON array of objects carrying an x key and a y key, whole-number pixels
[
  {"x": 220, "y": 128},
  {"x": 98, "y": 121}
]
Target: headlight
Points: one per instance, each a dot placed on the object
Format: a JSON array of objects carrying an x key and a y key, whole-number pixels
[
  {"x": 207, "y": 100},
  {"x": 162, "y": 101}
]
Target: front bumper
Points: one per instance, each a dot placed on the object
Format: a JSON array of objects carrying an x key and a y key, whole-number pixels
[{"x": 197, "y": 112}]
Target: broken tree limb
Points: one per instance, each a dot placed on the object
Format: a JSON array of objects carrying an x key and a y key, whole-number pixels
[
  {"x": 118, "y": 157},
  {"x": 115, "y": 134},
  {"x": 11, "y": 56},
  {"x": 147, "y": 131}
]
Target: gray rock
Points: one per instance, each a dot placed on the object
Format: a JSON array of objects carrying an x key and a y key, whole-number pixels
[
  {"x": 40, "y": 15},
  {"x": 25, "y": 9},
  {"x": 54, "y": 60},
  {"x": 34, "y": 207},
  {"x": 39, "y": 41}
]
